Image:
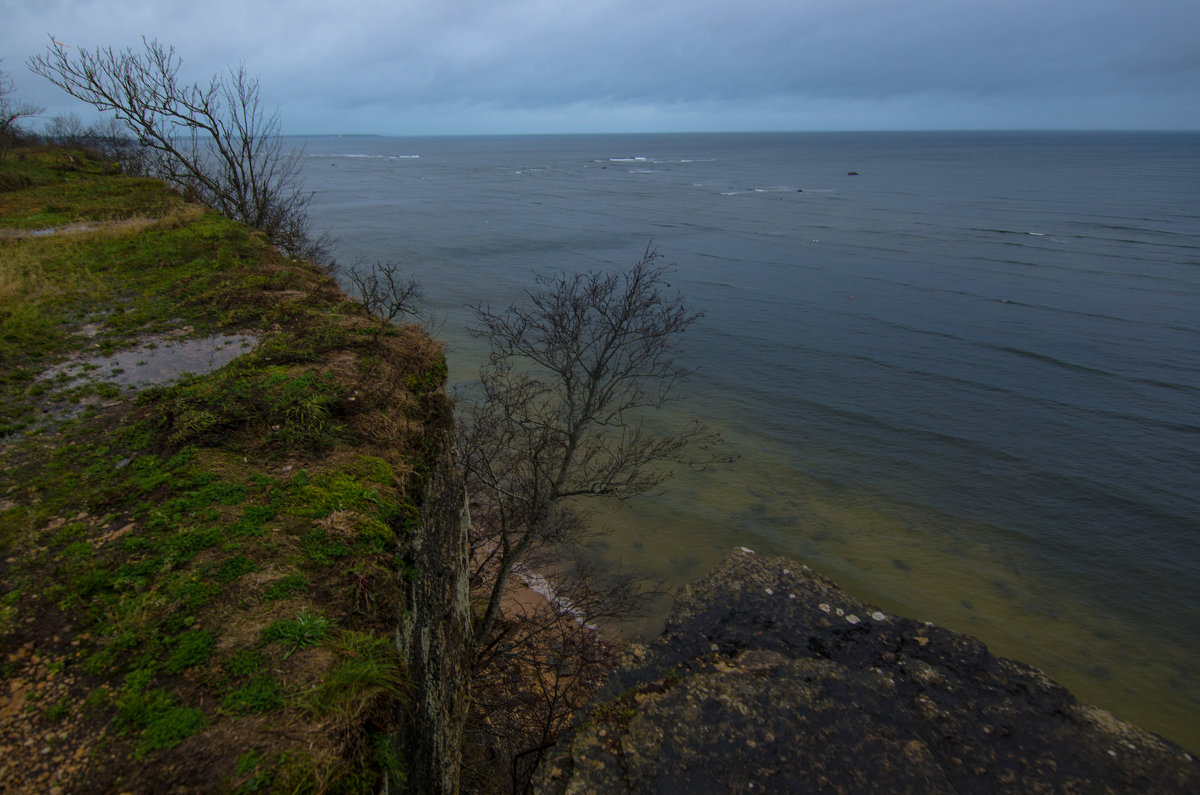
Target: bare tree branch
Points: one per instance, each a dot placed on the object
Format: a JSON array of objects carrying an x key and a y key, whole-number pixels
[
  {"x": 12, "y": 110},
  {"x": 216, "y": 142},
  {"x": 559, "y": 408},
  {"x": 385, "y": 293}
]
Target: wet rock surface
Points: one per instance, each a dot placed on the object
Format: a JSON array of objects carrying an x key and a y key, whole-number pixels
[{"x": 768, "y": 678}]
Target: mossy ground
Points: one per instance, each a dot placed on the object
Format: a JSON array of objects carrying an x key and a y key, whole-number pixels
[{"x": 199, "y": 582}]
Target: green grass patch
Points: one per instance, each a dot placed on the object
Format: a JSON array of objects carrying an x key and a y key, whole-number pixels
[
  {"x": 318, "y": 496},
  {"x": 155, "y": 716},
  {"x": 235, "y": 567},
  {"x": 286, "y": 587},
  {"x": 323, "y": 549},
  {"x": 305, "y": 630},
  {"x": 261, "y": 694},
  {"x": 190, "y": 648}
]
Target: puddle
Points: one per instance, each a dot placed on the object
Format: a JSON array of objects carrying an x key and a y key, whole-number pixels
[
  {"x": 157, "y": 360},
  {"x": 65, "y": 229}
]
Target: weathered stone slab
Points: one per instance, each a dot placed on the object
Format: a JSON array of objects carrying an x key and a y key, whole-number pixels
[{"x": 768, "y": 678}]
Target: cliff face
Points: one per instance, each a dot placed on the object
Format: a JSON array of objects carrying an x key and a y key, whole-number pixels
[
  {"x": 435, "y": 635},
  {"x": 769, "y": 678}
]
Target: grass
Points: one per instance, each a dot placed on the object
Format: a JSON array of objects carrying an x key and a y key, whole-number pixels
[
  {"x": 171, "y": 551},
  {"x": 367, "y": 668},
  {"x": 306, "y": 629}
]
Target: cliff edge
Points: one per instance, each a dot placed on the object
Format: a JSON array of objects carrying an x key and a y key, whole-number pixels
[
  {"x": 232, "y": 541},
  {"x": 769, "y": 678}
]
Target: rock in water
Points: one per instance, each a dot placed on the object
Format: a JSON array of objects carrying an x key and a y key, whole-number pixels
[{"x": 768, "y": 678}]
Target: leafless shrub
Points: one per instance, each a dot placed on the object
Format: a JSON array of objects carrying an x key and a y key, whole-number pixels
[
  {"x": 385, "y": 292},
  {"x": 66, "y": 130},
  {"x": 12, "y": 110},
  {"x": 111, "y": 141}
]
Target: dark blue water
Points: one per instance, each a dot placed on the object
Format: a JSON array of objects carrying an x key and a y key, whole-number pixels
[{"x": 964, "y": 382}]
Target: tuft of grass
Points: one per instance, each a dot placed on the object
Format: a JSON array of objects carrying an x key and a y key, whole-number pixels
[
  {"x": 306, "y": 629},
  {"x": 323, "y": 549},
  {"x": 366, "y": 668}
]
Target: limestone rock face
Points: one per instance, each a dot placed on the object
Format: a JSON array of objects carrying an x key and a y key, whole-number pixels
[
  {"x": 436, "y": 635},
  {"x": 768, "y": 678}
]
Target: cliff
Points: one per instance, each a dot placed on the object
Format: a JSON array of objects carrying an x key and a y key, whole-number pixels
[
  {"x": 230, "y": 528},
  {"x": 769, "y": 678}
]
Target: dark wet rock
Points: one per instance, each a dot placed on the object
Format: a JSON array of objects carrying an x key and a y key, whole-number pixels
[{"x": 768, "y": 678}]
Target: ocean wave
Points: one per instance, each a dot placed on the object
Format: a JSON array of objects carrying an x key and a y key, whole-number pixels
[
  {"x": 542, "y": 587},
  {"x": 660, "y": 161},
  {"x": 769, "y": 189},
  {"x": 359, "y": 156}
]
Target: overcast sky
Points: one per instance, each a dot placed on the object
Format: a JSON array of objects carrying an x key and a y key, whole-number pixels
[{"x": 413, "y": 67}]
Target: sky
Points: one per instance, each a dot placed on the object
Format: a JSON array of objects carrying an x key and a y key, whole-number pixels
[{"x": 438, "y": 67}]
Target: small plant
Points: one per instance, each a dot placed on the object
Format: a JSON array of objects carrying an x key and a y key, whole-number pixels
[
  {"x": 306, "y": 629},
  {"x": 362, "y": 590},
  {"x": 244, "y": 663},
  {"x": 321, "y": 549},
  {"x": 171, "y": 727},
  {"x": 58, "y": 710}
]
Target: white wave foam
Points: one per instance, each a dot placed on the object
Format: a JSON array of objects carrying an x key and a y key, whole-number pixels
[
  {"x": 359, "y": 156},
  {"x": 542, "y": 587}
]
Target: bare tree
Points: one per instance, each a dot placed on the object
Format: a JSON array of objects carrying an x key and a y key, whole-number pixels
[
  {"x": 12, "y": 110},
  {"x": 110, "y": 139},
  {"x": 66, "y": 130},
  {"x": 216, "y": 142},
  {"x": 385, "y": 293},
  {"x": 561, "y": 410}
]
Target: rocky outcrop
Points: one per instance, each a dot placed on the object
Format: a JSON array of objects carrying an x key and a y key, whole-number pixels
[
  {"x": 768, "y": 678},
  {"x": 436, "y": 635}
]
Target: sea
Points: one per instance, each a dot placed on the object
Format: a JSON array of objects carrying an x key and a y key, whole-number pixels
[{"x": 960, "y": 372}]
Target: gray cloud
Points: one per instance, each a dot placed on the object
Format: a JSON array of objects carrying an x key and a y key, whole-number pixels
[{"x": 470, "y": 65}]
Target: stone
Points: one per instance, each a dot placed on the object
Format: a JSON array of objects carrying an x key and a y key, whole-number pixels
[{"x": 746, "y": 692}]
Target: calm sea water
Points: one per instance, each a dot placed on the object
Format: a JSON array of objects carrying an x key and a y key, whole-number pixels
[{"x": 964, "y": 383}]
